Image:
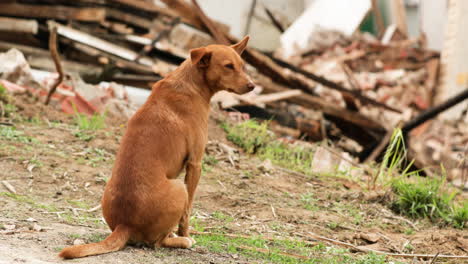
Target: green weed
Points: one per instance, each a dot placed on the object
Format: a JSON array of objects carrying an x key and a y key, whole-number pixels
[
  {"x": 420, "y": 198},
  {"x": 79, "y": 204},
  {"x": 409, "y": 231},
  {"x": 3, "y": 91},
  {"x": 255, "y": 138},
  {"x": 94, "y": 122},
  {"x": 84, "y": 135},
  {"x": 30, "y": 201},
  {"x": 275, "y": 251},
  {"x": 197, "y": 224},
  {"x": 11, "y": 134},
  {"x": 223, "y": 217},
  {"x": 459, "y": 215},
  {"x": 208, "y": 163},
  {"x": 309, "y": 202},
  {"x": 425, "y": 197},
  {"x": 96, "y": 237}
]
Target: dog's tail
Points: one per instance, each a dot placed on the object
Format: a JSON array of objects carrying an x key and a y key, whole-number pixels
[{"x": 113, "y": 242}]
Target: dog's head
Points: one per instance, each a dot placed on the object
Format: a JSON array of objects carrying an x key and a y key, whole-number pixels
[{"x": 223, "y": 68}]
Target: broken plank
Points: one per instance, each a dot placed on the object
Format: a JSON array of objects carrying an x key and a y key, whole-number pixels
[
  {"x": 146, "y": 6},
  {"x": 268, "y": 98},
  {"x": 55, "y": 12},
  {"x": 130, "y": 19},
  {"x": 100, "y": 44},
  {"x": 121, "y": 63},
  {"x": 45, "y": 63},
  {"x": 18, "y": 25}
]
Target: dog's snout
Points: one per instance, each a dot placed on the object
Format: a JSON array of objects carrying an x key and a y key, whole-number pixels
[{"x": 250, "y": 85}]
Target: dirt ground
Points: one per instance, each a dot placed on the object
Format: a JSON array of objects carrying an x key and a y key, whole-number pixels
[{"x": 59, "y": 173}]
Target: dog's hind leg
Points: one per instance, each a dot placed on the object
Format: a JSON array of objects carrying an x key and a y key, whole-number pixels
[{"x": 177, "y": 242}]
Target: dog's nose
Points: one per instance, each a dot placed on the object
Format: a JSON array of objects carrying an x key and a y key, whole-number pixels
[{"x": 251, "y": 85}]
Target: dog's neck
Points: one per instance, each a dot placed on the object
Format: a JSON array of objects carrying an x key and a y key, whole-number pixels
[{"x": 198, "y": 86}]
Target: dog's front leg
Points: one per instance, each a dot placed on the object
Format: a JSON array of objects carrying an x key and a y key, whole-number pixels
[{"x": 192, "y": 176}]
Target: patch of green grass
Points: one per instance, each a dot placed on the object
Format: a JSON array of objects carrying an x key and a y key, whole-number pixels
[
  {"x": 9, "y": 110},
  {"x": 409, "y": 231},
  {"x": 208, "y": 163},
  {"x": 11, "y": 134},
  {"x": 333, "y": 225},
  {"x": 309, "y": 202},
  {"x": 96, "y": 237},
  {"x": 30, "y": 201},
  {"x": 84, "y": 135},
  {"x": 3, "y": 91},
  {"x": 420, "y": 197},
  {"x": 94, "y": 156},
  {"x": 58, "y": 249},
  {"x": 425, "y": 197},
  {"x": 197, "y": 224},
  {"x": 36, "y": 120},
  {"x": 36, "y": 162},
  {"x": 275, "y": 251},
  {"x": 223, "y": 217},
  {"x": 94, "y": 122},
  {"x": 255, "y": 138},
  {"x": 349, "y": 210},
  {"x": 79, "y": 204},
  {"x": 74, "y": 236},
  {"x": 459, "y": 215},
  {"x": 416, "y": 196}
]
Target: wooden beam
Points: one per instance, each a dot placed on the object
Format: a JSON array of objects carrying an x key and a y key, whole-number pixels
[
  {"x": 18, "y": 25},
  {"x": 399, "y": 16},
  {"x": 100, "y": 44},
  {"x": 272, "y": 97},
  {"x": 129, "y": 18},
  {"x": 55, "y": 12},
  {"x": 148, "y": 7}
]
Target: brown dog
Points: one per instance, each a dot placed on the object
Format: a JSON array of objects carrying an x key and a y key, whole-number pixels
[{"x": 143, "y": 201}]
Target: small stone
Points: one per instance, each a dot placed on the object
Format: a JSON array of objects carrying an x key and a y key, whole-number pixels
[
  {"x": 78, "y": 241},
  {"x": 9, "y": 227},
  {"x": 370, "y": 237},
  {"x": 37, "y": 227},
  {"x": 30, "y": 219},
  {"x": 266, "y": 166}
]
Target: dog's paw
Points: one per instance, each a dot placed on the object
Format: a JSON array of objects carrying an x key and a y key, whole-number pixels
[
  {"x": 190, "y": 241},
  {"x": 193, "y": 241}
]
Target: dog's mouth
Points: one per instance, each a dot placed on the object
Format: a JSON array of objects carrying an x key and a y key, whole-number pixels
[{"x": 230, "y": 90}]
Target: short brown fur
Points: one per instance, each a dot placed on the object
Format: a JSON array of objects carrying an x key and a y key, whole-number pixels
[{"x": 143, "y": 201}]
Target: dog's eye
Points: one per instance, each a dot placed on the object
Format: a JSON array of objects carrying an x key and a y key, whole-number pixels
[{"x": 229, "y": 66}]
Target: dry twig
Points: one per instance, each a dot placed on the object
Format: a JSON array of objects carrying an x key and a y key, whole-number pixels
[{"x": 55, "y": 56}]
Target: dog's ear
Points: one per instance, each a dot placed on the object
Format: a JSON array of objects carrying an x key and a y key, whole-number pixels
[
  {"x": 200, "y": 57},
  {"x": 240, "y": 47}
]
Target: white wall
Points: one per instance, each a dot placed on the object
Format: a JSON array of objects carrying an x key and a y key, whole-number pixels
[
  {"x": 263, "y": 34},
  {"x": 454, "y": 63},
  {"x": 433, "y": 20}
]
